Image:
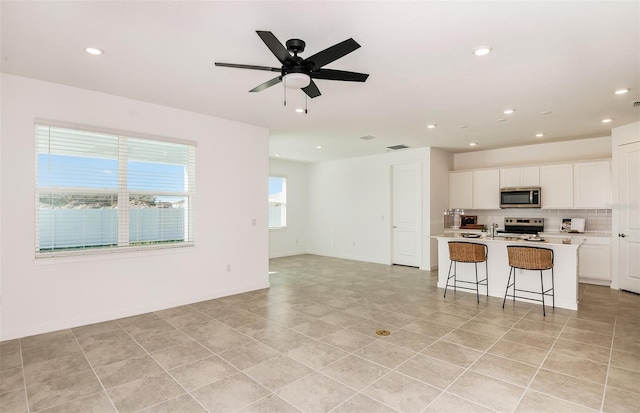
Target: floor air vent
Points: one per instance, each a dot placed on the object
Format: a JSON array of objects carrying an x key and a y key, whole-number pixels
[{"x": 396, "y": 147}]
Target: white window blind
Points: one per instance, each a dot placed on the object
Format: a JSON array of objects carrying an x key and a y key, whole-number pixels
[
  {"x": 277, "y": 202},
  {"x": 97, "y": 191}
]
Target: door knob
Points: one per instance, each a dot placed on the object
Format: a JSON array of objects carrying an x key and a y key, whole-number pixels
[{"x": 622, "y": 235}]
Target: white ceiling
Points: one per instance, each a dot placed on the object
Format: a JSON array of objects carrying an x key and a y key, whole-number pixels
[{"x": 563, "y": 57}]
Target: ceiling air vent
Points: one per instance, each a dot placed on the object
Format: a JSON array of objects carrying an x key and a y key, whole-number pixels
[
  {"x": 636, "y": 103},
  {"x": 396, "y": 147}
]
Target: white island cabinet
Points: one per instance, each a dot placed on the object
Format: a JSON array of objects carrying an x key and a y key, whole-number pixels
[{"x": 565, "y": 252}]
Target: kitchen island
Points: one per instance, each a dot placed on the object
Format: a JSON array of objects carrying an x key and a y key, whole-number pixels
[{"x": 565, "y": 252}]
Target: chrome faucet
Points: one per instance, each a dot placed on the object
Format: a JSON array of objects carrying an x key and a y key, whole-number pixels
[{"x": 492, "y": 230}]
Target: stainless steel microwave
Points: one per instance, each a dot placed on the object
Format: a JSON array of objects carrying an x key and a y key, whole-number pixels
[{"x": 524, "y": 197}]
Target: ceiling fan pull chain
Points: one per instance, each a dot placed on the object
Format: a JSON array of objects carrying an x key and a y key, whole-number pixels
[
  {"x": 305, "y": 104},
  {"x": 284, "y": 82}
]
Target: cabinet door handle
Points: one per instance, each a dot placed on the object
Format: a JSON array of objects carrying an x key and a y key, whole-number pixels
[{"x": 622, "y": 235}]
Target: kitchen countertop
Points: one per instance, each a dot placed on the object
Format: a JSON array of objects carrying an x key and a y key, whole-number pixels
[{"x": 560, "y": 240}]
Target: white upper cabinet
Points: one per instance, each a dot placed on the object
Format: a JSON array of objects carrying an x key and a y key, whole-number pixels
[
  {"x": 563, "y": 186},
  {"x": 474, "y": 189},
  {"x": 520, "y": 177},
  {"x": 486, "y": 189},
  {"x": 556, "y": 182},
  {"x": 592, "y": 184},
  {"x": 461, "y": 189}
]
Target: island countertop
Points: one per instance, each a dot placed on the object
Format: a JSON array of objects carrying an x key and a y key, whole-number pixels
[
  {"x": 565, "y": 250},
  {"x": 555, "y": 240}
]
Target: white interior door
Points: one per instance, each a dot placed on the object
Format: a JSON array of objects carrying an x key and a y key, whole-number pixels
[
  {"x": 629, "y": 222},
  {"x": 406, "y": 214}
]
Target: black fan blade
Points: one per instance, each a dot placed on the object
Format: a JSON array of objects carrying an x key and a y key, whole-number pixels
[
  {"x": 268, "y": 69},
  {"x": 312, "y": 90},
  {"x": 267, "y": 84},
  {"x": 329, "y": 74},
  {"x": 332, "y": 53},
  {"x": 274, "y": 45}
]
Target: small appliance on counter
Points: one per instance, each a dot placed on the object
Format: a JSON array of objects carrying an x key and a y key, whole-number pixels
[
  {"x": 453, "y": 218},
  {"x": 572, "y": 225}
]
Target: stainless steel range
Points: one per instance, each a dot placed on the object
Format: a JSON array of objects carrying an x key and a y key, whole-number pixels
[{"x": 522, "y": 226}]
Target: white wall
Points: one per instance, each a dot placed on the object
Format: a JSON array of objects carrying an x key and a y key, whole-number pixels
[
  {"x": 231, "y": 185},
  {"x": 594, "y": 148},
  {"x": 291, "y": 240},
  {"x": 441, "y": 164},
  {"x": 349, "y": 206}
]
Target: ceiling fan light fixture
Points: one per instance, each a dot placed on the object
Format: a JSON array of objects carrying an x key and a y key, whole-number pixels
[{"x": 296, "y": 80}]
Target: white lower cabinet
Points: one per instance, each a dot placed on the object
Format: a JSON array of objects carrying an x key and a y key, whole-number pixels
[{"x": 594, "y": 261}]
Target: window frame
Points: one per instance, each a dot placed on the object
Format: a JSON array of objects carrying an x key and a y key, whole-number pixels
[
  {"x": 122, "y": 192},
  {"x": 283, "y": 203}
]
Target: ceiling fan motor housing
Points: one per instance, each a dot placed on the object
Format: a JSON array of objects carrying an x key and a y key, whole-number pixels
[{"x": 295, "y": 46}]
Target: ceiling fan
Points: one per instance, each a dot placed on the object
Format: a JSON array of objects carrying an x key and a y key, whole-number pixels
[{"x": 298, "y": 72}]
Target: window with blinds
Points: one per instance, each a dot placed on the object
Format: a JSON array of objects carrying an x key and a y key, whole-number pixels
[
  {"x": 99, "y": 191},
  {"x": 277, "y": 202}
]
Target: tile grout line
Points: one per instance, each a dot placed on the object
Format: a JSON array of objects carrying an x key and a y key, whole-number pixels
[
  {"x": 528, "y": 387},
  {"x": 24, "y": 379},
  {"x": 163, "y": 368},
  {"x": 468, "y": 368},
  {"x": 613, "y": 337}
]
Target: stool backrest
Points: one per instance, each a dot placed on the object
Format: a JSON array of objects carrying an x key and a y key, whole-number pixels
[
  {"x": 530, "y": 258},
  {"x": 467, "y": 251}
]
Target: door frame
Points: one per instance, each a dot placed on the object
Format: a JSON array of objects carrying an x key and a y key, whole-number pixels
[
  {"x": 419, "y": 231},
  {"x": 622, "y": 135}
]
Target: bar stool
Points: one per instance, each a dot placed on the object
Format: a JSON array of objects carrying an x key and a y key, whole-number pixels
[
  {"x": 530, "y": 258},
  {"x": 470, "y": 252}
]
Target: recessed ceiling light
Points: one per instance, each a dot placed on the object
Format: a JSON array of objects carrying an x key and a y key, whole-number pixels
[
  {"x": 431, "y": 126},
  {"x": 501, "y": 120},
  {"x": 606, "y": 120},
  {"x": 621, "y": 91},
  {"x": 299, "y": 110},
  {"x": 463, "y": 126},
  {"x": 482, "y": 50},
  {"x": 546, "y": 112},
  {"x": 94, "y": 51},
  {"x": 319, "y": 147},
  {"x": 277, "y": 155},
  {"x": 473, "y": 144},
  {"x": 539, "y": 135},
  {"x": 508, "y": 111}
]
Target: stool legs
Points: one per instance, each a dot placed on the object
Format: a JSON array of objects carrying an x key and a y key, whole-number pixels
[
  {"x": 544, "y": 313},
  {"x": 453, "y": 264},
  {"x": 542, "y": 293}
]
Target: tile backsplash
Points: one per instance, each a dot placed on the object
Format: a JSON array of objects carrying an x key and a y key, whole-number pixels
[{"x": 596, "y": 220}]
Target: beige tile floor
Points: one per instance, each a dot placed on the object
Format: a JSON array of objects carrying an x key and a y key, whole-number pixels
[{"x": 309, "y": 344}]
